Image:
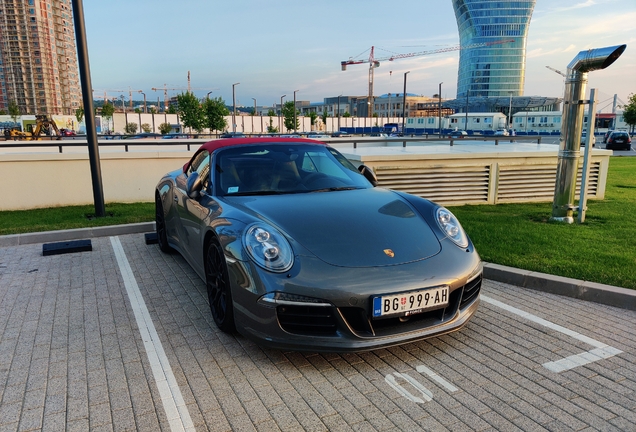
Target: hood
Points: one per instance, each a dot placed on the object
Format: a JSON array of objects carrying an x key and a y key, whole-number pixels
[{"x": 355, "y": 228}]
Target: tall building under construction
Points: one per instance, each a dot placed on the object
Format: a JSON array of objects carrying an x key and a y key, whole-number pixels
[
  {"x": 496, "y": 70},
  {"x": 38, "y": 58}
]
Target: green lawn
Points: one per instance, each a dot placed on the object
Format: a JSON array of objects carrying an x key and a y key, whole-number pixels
[
  {"x": 603, "y": 249},
  {"x": 60, "y": 218}
]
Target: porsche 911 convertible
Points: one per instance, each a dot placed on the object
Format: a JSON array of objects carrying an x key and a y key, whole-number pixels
[{"x": 300, "y": 250}]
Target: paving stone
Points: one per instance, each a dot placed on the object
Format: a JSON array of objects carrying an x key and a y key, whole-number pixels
[{"x": 72, "y": 355}]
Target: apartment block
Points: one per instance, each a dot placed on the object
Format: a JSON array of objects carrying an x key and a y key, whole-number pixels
[{"x": 38, "y": 58}]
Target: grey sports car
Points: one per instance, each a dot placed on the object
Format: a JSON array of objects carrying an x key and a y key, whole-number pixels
[{"x": 300, "y": 250}]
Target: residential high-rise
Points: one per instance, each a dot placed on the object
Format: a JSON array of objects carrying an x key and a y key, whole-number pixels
[
  {"x": 496, "y": 70},
  {"x": 38, "y": 58}
]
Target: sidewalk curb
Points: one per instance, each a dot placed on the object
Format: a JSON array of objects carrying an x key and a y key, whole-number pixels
[
  {"x": 75, "y": 234},
  {"x": 583, "y": 290}
]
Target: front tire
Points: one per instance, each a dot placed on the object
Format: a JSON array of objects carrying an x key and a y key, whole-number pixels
[
  {"x": 218, "y": 285},
  {"x": 160, "y": 226}
]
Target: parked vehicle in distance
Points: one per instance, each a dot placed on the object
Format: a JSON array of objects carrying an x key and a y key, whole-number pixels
[
  {"x": 317, "y": 135},
  {"x": 67, "y": 132},
  {"x": 340, "y": 134},
  {"x": 458, "y": 134},
  {"x": 299, "y": 250},
  {"x": 501, "y": 132},
  {"x": 176, "y": 136},
  {"x": 379, "y": 135},
  {"x": 232, "y": 135},
  {"x": 584, "y": 139},
  {"x": 143, "y": 135},
  {"x": 619, "y": 140}
]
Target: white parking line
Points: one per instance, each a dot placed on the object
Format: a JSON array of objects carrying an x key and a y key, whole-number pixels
[
  {"x": 171, "y": 397},
  {"x": 601, "y": 351}
]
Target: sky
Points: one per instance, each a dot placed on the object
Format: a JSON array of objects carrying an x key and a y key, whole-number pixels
[{"x": 273, "y": 48}]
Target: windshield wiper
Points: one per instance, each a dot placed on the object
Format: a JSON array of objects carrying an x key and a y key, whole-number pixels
[
  {"x": 339, "y": 188},
  {"x": 262, "y": 192}
]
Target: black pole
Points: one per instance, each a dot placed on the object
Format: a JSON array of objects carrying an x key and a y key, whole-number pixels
[
  {"x": 89, "y": 111},
  {"x": 404, "y": 106}
]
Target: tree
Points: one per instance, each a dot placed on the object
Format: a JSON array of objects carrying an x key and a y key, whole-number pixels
[
  {"x": 271, "y": 128},
  {"x": 346, "y": 114},
  {"x": 171, "y": 110},
  {"x": 165, "y": 128},
  {"x": 312, "y": 118},
  {"x": 79, "y": 114},
  {"x": 214, "y": 111},
  {"x": 107, "y": 112},
  {"x": 146, "y": 127},
  {"x": 190, "y": 111},
  {"x": 271, "y": 113},
  {"x": 629, "y": 111},
  {"x": 153, "y": 110},
  {"x": 14, "y": 111},
  {"x": 288, "y": 114},
  {"x": 324, "y": 116},
  {"x": 130, "y": 128}
]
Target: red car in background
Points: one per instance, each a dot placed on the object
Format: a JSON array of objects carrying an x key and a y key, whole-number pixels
[{"x": 67, "y": 132}]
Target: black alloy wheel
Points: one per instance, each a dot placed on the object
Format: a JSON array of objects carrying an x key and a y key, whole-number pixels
[
  {"x": 218, "y": 285},
  {"x": 160, "y": 225}
]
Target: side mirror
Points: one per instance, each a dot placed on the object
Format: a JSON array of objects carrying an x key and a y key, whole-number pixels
[
  {"x": 368, "y": 174},
  {"x": 194, "y": 185}
]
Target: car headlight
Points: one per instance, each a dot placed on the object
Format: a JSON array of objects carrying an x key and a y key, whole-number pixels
[
  {"x": 268, "y": 248},
  {"x": 451, "y": 227}
]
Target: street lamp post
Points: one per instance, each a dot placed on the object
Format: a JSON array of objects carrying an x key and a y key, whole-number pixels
[
  {"x": 254, "y": 115},
  {"x": 207, "y": 96},
  {"x": 404, "y": 106},
  {"x": 439, "y": 107},
  {"x": 295, "y": 110},
  {"x": 466, "y": 118},
  {"x": 280, "y": 124},
  {"x": 145, "y": 106},
  {"x": 234, "y": 107},
  {"x": 510, "y": 112},
  {"x": 338, "y": 113}
]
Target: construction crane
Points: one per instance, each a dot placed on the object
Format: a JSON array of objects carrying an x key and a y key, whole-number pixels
[
  {"x": 166, "y": 89},
  {"x": 557, "y": 71},
  {"x": 375, "y": 62}
]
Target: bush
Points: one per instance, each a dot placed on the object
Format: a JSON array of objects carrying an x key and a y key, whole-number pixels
[
  {"x": 165, "y": 128},
  {"x": 146, "y": 127},
  {"x": 131, "y": 128}
]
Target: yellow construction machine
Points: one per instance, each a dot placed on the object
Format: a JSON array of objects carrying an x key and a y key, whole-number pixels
[{"x": 44, "y": 126}]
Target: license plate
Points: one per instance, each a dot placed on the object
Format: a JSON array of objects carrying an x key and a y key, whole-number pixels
[{"x": 410, "y": 303}]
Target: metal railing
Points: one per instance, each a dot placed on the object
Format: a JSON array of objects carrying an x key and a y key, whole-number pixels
[{"x": 121, "y": 141}]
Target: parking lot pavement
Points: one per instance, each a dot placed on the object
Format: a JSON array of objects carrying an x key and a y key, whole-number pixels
[{"x": 121, "y": 338}]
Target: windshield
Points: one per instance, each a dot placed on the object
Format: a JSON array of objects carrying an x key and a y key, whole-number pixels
[{"x": 283, "y": 168}]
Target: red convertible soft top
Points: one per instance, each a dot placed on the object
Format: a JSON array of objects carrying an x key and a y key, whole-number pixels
[{"x": 211, "y": 146}]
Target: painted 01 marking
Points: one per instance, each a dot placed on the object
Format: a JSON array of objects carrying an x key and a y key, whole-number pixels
[
  {"x": 424, "y": 392},
  {"x": 600, "y": 351}
]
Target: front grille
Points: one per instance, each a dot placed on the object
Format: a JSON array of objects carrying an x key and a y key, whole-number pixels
[
  {"x": 471, "y": 291},
  {"x": 307, "y": 320}
]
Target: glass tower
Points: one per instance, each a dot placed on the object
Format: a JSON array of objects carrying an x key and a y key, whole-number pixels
[{"x": 492, "y": 69}]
